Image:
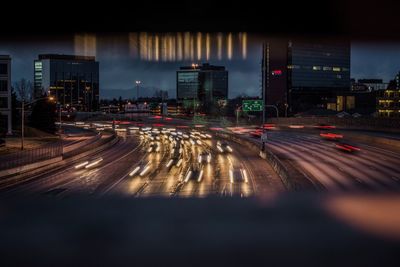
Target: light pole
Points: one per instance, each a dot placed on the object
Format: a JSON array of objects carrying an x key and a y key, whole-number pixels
[
  {"x": 23, "y": 104},
  {"x": 286, "y": 107},
  {"x": 137, "y": 90},
  {"x": 237, "y": 114},
  {"x": 272, "y": 106}
]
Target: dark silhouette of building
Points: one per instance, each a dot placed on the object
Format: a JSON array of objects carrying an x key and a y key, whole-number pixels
[
  {"x": 72, "y": 80},
  {"x": 5, "y": 94},
  {"x": 303, "y": 75}
]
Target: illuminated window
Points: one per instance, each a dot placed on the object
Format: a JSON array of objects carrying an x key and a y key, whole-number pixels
[
  {"x": 350, "y": 102},
  {"x": 327, "y": 68},
  {"x": 331, "y": 106},
  {"x": 340, "y": 103},
  {"x": 316, "y": 67},
  {"x": 336, "y": 69}
]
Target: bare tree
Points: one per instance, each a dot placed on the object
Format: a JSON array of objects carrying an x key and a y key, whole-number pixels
[{"x": 24, "y": 89}]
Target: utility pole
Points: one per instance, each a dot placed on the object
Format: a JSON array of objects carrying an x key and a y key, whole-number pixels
[
  {"x": 22, "y": 123},
  {"x": 137, "y": 90},
  {"x": 264, "y": 69}
]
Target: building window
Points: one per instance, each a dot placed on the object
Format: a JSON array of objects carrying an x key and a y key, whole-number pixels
[
  {"x": 3, "y": 69},
  {"x": 336, "y": 69},
  {"x": 3, "y": 85},
  {"x": 3, "y": 102},
  {"x": 327, "y": 68},
  {"x": 340, "y": 103},
  {"x": 350, "y": 102},
  {"x": 316, "y": 67}
]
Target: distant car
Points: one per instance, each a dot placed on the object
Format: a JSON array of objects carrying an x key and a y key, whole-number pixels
[
  {"x": 204, "y": 157},
  {"x": 195, "y": 172},
  {"x": 238, "y": 175},
  {"x": 224, "y": 147},
  {"x": 331, "y": 135},
  {"x": 347, "y": 147},
  {"x": 256, "y": 133},
  {"x": 154, "y": 147},
  {"x": 323, "y": 126}
]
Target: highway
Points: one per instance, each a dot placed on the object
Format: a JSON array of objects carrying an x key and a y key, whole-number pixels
[
  {"x": 371, "y": 169},
  {"x": 176, "y": 163}
]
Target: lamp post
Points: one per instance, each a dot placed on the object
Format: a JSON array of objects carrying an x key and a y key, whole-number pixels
[
  {"x": 137, "y": 89},
  {"x": 23, "y": 104},
  {"x": 286, "y": 107},
  {"x": 271, "y": 106},
  {"x": 237, "y": 115}
]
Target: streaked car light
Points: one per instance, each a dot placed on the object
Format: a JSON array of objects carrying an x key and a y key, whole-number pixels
[
  {"x": 80, "y": 165},
  {"x": 132, "y": 173}
]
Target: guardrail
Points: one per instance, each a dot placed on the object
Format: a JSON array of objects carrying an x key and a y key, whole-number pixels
[
  {"x": 387, "y": 124},
  {"x": 27, "y": 157},
  {"x": 77, "y": 145}
]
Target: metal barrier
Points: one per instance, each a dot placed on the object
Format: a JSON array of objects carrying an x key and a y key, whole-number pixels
[{"x": 21, "y": 158}]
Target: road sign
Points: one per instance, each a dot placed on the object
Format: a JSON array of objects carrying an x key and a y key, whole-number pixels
[{"x": 252, "y": 105}]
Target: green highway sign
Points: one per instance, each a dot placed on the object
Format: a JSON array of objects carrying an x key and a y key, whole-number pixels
[{"x": 252, "y": 105}]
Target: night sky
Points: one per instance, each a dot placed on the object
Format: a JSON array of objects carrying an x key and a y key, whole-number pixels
[{"x": 119, "y": 68}]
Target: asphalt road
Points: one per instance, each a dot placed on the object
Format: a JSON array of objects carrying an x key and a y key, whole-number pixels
[
  {"x": 111, "y": 175},
  {"x": 371, "y": 168}
]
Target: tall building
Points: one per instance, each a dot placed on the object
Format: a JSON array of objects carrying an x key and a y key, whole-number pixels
[
  {"x": 388, "y": 100},
  {"x": 72, "y": 80},
  {"x": 5, "y": 94},
  {"x": 205, "y": 84},
  {"x": 302, "y": 75}
]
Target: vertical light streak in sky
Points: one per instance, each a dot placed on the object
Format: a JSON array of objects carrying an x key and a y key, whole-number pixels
[
  {"x": 187, "y": 45},
  {"x": 219, "y": 45},
  {"x": 229, "y": 46},
  {"x": 199, "y": 42},
  {"x": 207, "y": 46},
  {"x": 244, "y": 45},
  {"x": 156, "y": 48},
  {"x": 85, "y": 44},
  {"x": 179, "y": 46}
]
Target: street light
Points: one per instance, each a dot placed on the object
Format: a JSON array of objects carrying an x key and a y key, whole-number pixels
[
  {"x": 271, "y": 106},
  {"x": 23, "y": 104},
  {"x": 137, "y": 90},
  {"x": 237, "y": 114},
  {"x": 286, "y": 107}
]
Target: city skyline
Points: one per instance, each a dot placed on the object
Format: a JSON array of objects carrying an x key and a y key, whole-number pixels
[{"x": 119, "y": 68}]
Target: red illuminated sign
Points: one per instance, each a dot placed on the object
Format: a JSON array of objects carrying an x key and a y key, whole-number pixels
[{"x": 277, "y": 72}]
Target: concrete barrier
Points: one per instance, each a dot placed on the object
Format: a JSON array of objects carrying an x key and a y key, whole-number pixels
[
  {"x": 291, "y": 178},
  {"x": 68, "y": 149},
  {"x": 28, "y": 167},
  {"x": 9, "y": 177}
]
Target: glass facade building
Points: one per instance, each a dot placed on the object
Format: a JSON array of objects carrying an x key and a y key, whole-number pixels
[
  {"x": 5, "y": 95},
  {"x": 302, "y": 75},
  {"x": 72, "y": 80},
  {"x": 318, "y": 66},
  {"x": 205, "y": 84}
]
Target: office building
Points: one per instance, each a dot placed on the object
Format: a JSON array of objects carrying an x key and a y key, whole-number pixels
[
  {"x": 72, "y": 80},
  {"x": 206, "y": 86},
  {"x": 5, "y": 94},
  {"x": 368, "y": 85},
  {"x": 303, "y": 75},
  {"x": 388, "y": 100}
]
